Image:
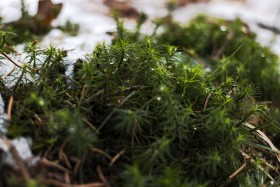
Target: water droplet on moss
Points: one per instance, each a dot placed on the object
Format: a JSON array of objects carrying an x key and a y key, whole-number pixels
[
  {"x": 223, "y": 28},
  {"x": 71, "y": 130},
  {"x": 41, "y": 102}
]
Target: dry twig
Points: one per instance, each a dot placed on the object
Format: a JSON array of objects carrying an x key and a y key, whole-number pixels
[
  {"x": 19, "y": 161},
  {"x": 102, "y": 177},
  {"x": 241, "y": 168},
  {"x": 9, "y": 110},
  {"x": 116, "y": 157},
  {"x": 61, "y": 184},
  {"x": 206, "y": 101}
]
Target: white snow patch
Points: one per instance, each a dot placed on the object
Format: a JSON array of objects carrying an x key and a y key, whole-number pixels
[{"x": 2, "y": 116}]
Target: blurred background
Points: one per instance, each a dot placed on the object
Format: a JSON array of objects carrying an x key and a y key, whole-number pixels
[{"x": 95, "y": 20}]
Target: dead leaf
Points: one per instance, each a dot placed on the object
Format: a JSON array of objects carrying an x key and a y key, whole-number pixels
[
  {"x": 38, "y": 24},
  {"x": 124, "y": 8},
  {"x": 47, "y": 12}
]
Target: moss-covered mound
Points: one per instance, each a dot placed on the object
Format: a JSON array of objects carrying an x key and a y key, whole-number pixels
[{"x": 142, "y": 113}]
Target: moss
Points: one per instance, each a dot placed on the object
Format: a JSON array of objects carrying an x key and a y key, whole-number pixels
[
  {"x": 143, "y": 112},
  {"x": 213, "y": 39}
]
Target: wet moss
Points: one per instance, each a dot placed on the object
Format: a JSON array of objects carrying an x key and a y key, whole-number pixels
[{"x": 145, "y": 111}]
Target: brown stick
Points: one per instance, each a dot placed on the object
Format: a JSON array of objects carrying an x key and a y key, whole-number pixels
[
  {"x": 116, "y": 157},
  {"x": 102, "y": 177},
  {"x": 46, "y": 162},
  {"x": 224, "y": 45},
  {"x": 238, "y": 170},
  {"x": 9, "y": 110},
  {"x": 77, "y": 165},
  {"x": 62, "y": 156},
  {"x": 90, "y": 125},
  {"x": 20, "y": 163},
  {"x": 61, "y": 184},
  {"x": 101, "y": 152},
  {"x": 9, "y": 73},
  {"x": 11, "y": 60},
  {"x": 206, "y": 101},
  {"x": 235, "y": 173}
]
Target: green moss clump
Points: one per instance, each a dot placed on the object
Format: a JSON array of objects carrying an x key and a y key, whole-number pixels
[
  {"x": 142, "y": 113},
  {"x": 214, "y": 39}
]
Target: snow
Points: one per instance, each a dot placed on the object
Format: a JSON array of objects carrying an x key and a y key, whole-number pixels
[
  {"x": 21, "y": 144},
  {"x": 2, "y": 116}
]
